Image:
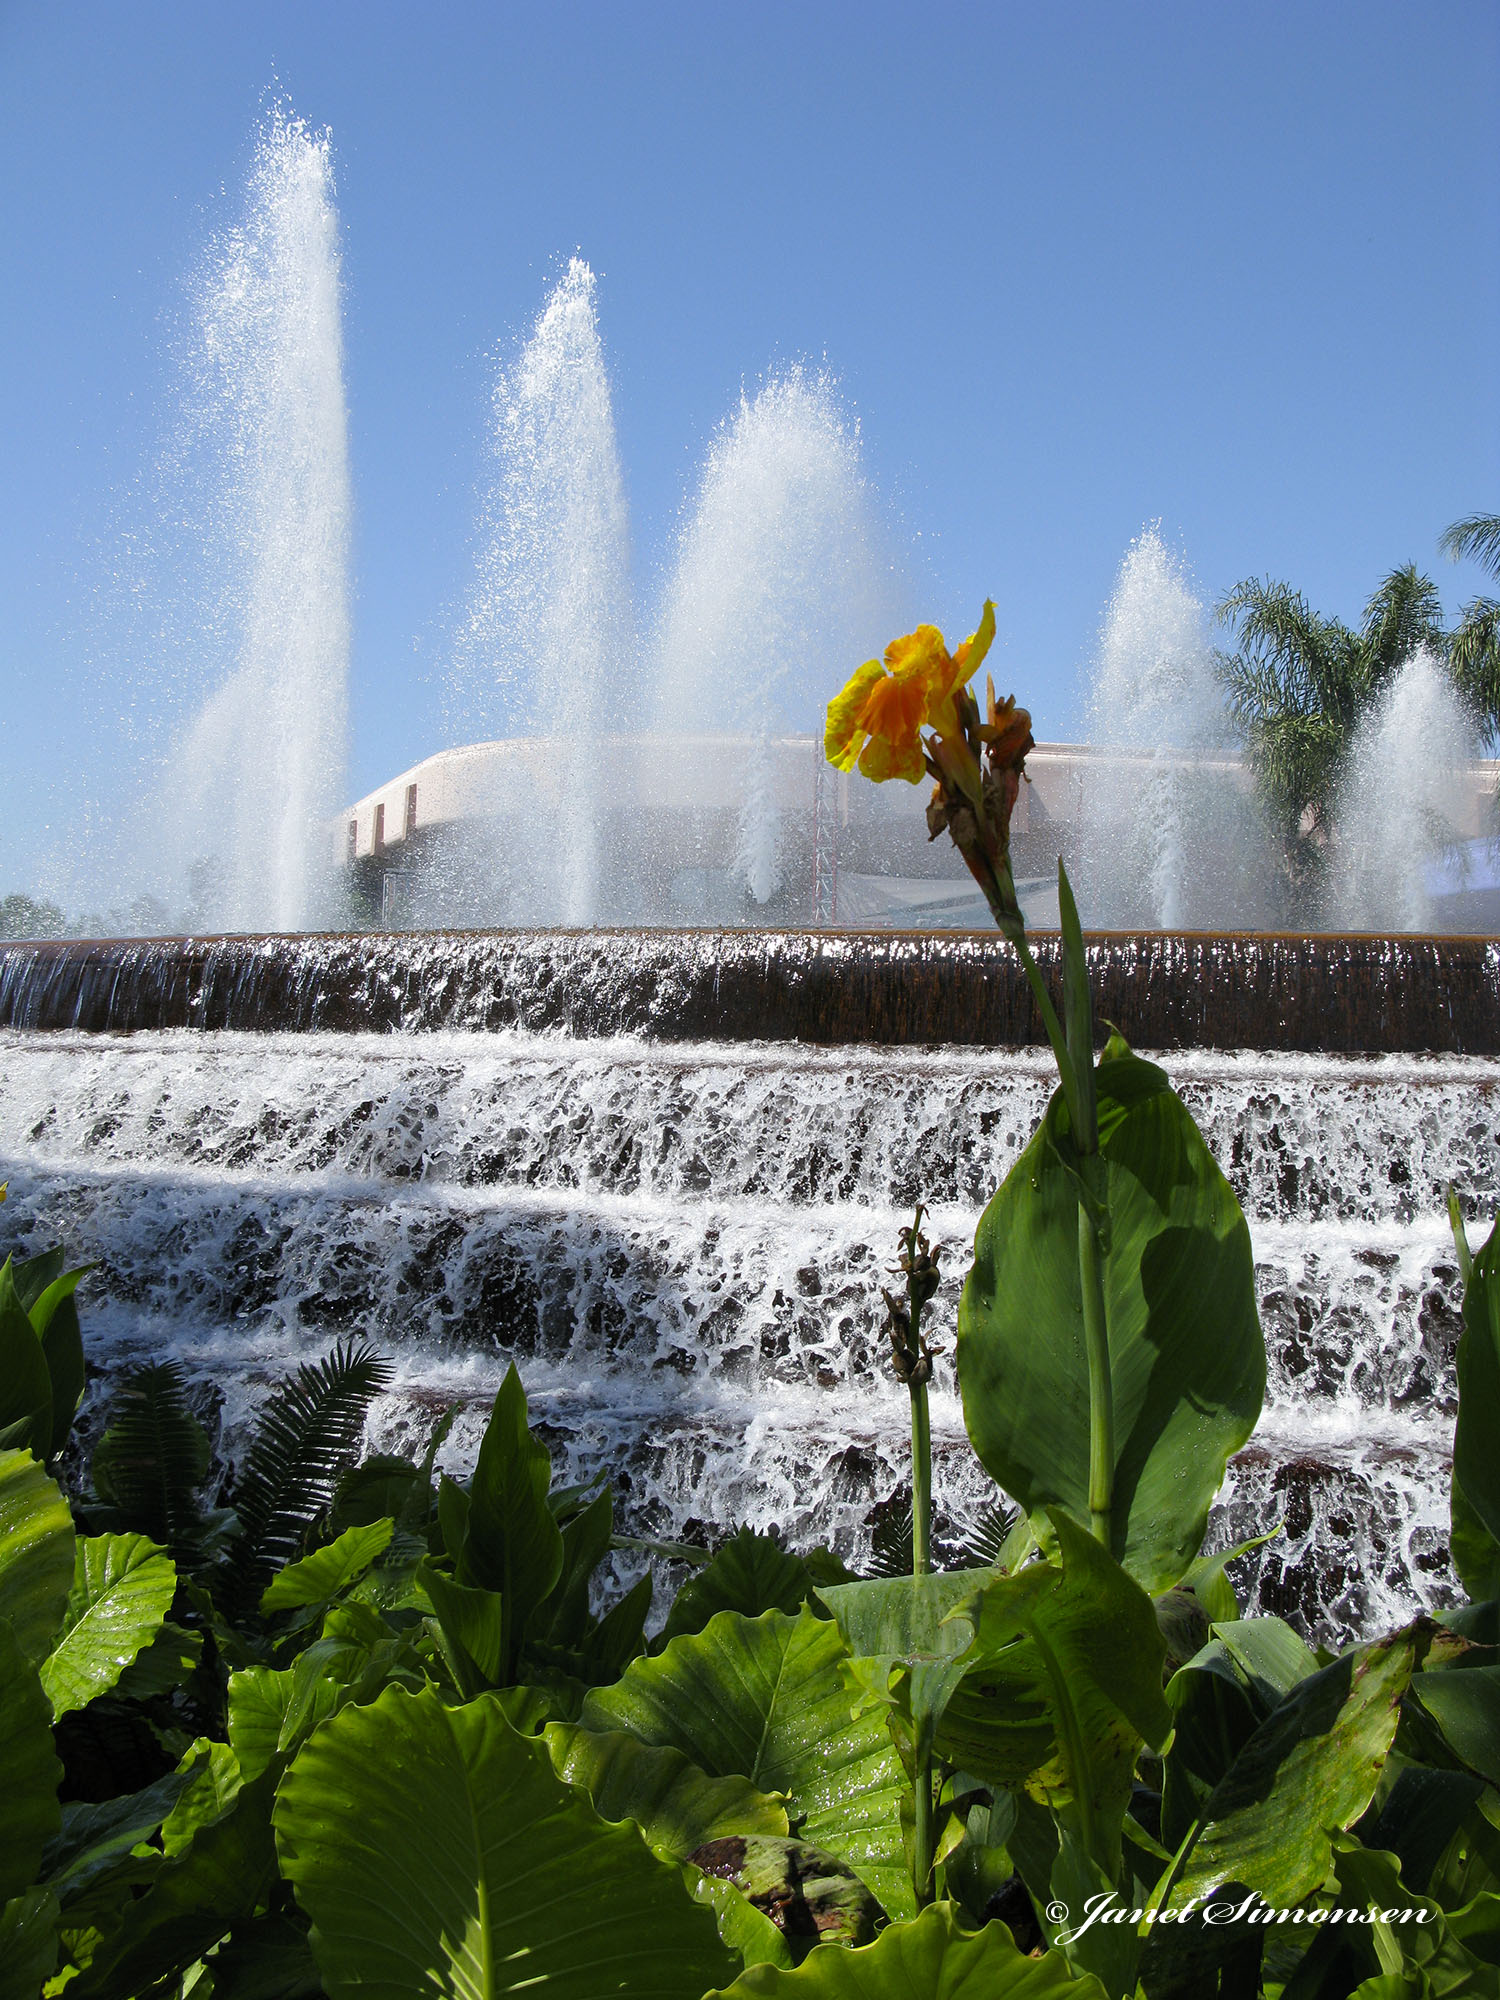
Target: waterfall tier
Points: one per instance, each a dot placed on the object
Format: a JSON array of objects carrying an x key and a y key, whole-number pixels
[
  {"x": 1345, "y": 995},
  {"x": 681, "y": 1243}
]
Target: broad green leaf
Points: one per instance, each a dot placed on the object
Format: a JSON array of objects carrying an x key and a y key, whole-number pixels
[
  {"x": 62, "y": 1350},
  {"x": 25, "y": 1381},
  {"x": 1466, "y": 1707},
  {"x": 268, "y": 1958},
  {"x": 931, "y": 1959},
  {"x": 1066, "y": 1685},
  {"x": 194, "y": 1899},
  {"x": 272, "y": 1714},
  {"x": 676, "y": 1806},
  {"x": 1187, "y": 1362},
  {"x": 473, "y": 1624},
  {"x": 909, "y": 1649},
  {"x": 321, "y": 1576},
  {"x": 162, "y": 1667},
  {"x": 213, "y": 1783},
  {"x": 1309, "y": 1770},
  {"x": 123, "y": 1587},
  {"x": 764, "y": 1698},
  {"x": 745, "y": 1929},
  {"x": 511, "y": 1541},
  {"x": 437, "y": 1853},
  {"x": 1271, "y": 1657},
  {"x": 94, "y": 1837},
  {"x": 563, "y": 1617},
  {"x": 382, "y": 1484},
  {"x": 810, "y": 1895},
  {"x": 620, "y": 1634},
  {"x": 1205, "y": 1577},
  {"x": 36, "y": 1552},
  {"x": 1475, "y": 1492},
  {"x": 30, "y": 1773},
  {"x": 1415, "y": 1930},
  {"x": 751, "y": 1573},
  {"x": 28, "y": 1944}
]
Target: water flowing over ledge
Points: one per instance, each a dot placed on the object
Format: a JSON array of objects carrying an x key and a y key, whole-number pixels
[{"x": 1335, "y": 994}]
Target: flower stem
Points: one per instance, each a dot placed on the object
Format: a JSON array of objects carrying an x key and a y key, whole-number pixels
[
  {"x": 921, "y": 1481},
  {"x": 924, "y": 1829}
]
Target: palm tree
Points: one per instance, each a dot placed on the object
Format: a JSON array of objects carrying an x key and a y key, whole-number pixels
[
  {"x": 1298, "y": 687},
  {"x": 1474, "y": 646}
]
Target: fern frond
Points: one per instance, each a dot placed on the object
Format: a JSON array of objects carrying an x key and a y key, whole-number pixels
[
  {"x": 981, "y": 1543},
  {"x": 307, "y": 1435},
  {"x": 150, "y": 1463}
]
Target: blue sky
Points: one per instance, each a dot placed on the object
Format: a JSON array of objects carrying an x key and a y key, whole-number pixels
[{"x": 1077, "y": 268}]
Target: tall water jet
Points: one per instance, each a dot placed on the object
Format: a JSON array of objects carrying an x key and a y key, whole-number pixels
[
  {"x": 1164, "y": 830},
  {"x": 547, "y": 649},
  {"x": 1397, "y": 800},
  {"x": 778, "y": 586},
  {"x": 253, "y": 780}
]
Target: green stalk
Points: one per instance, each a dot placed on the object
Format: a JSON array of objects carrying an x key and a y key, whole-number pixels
[
  {"x": 1101, "y": 1389},
  {"x": 924, "y": 1833},
  {"x": 921, "y": 1481}
]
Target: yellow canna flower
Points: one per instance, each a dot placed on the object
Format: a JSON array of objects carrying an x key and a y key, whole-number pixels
[{"x": 877, "y": 719}]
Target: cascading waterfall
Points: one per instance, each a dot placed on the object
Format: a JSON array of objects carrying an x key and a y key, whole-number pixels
[
  {"x": 250, "y": 786},
  {"x": 1393, "y": 820},
  {"x": 778, "y": 582},
  {"x": 1166, "y": 838},
  {"x": 548, "y": 648},
  {"x": 681, "y": 1245}
]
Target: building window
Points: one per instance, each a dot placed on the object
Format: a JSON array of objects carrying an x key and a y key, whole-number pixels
[
  {"x": 411, "y": 812},
  {"x": 353, "y": 847},
  {"x": 377, "y": 845}
]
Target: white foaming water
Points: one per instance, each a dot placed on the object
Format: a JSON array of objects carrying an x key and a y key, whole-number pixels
[
  {"x": 250, "y": 785},
  {"x": 1165, "y": 836},
  {"x": 1393, "y": 820},
  {"x": 681, "y": 1246},
  {"x": 548, "y": 648},
  {"x": 778, "y": 589}
]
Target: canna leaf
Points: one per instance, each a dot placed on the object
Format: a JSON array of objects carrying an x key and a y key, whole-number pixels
[
  {"x": 36, "y": 1552},
  {"x": 1475, "y": 1493},
  {"x": 1187, "y": 1361},
  {"x": 29, "y": 1770}
]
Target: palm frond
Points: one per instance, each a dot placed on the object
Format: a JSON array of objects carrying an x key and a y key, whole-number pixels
[
  {"x": 981, "y": 1543},
  {"x": 1474, "y": 662},
  {"x": 150, "y": 1463},
  {"x": 1403, "y": 615},
  {"x": 307, "y": 1435},
  {"x": 1476, "y": 538}
]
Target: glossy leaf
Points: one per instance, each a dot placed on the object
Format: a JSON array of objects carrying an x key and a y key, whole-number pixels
[
  {"x": 765, "y": 1698},
  {"x": 751, "y": 1573},
  {"x": 193, "y": 1901},
  {"x": 95, "y": 1837},
  {"x": 28, "y": 1944},
  {"x": 1466, "y": 1707},
  {"x": 322, "y": 1575},
  {"x": 436, "y": 1852},
  {"x": 30, "y": 1773},
  {"x": 1310, "y": 1769},
  {"x": 810, "y": 1895},
  {"x": 931, "y": 1959},
  {"x": 511, "y": 1542},
  {"x": 1187, "y": 1362},
  {"x": 123, "y": 1587},
  {"x": 676, "y": 1805},
  {"x": 271, "y": 1714},
  {"x": 1475, "y": 1493},
  {"x": 1066, "y": 1685},
  {"x": 36, "y": 1552},
  {"x": 25, "y": 1381}
]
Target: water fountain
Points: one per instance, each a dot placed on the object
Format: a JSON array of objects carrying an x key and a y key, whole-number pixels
[
  {"x": 1396, "y": 813},
  {"x": 663, "y": 1169},
  {"x": 245, "y": 795},
  {"x": 1169, "y": 835},
  {"x": 548, "y": 647}
]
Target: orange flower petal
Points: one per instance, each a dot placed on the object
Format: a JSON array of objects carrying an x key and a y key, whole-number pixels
[{"x": 844, "y": 731}]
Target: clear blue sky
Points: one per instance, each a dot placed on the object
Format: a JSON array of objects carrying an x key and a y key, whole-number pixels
[{"x": 1235, "y": 266}]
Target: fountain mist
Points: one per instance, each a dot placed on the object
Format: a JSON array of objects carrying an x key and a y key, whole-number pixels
[
  {"x": 1398, "y": 793},
  {"x": 777, "y": 575},
  {"x": 254, "y": 779},
  {"x": 548, "y": 647},
  {"x": 1164, "y": 833}
]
